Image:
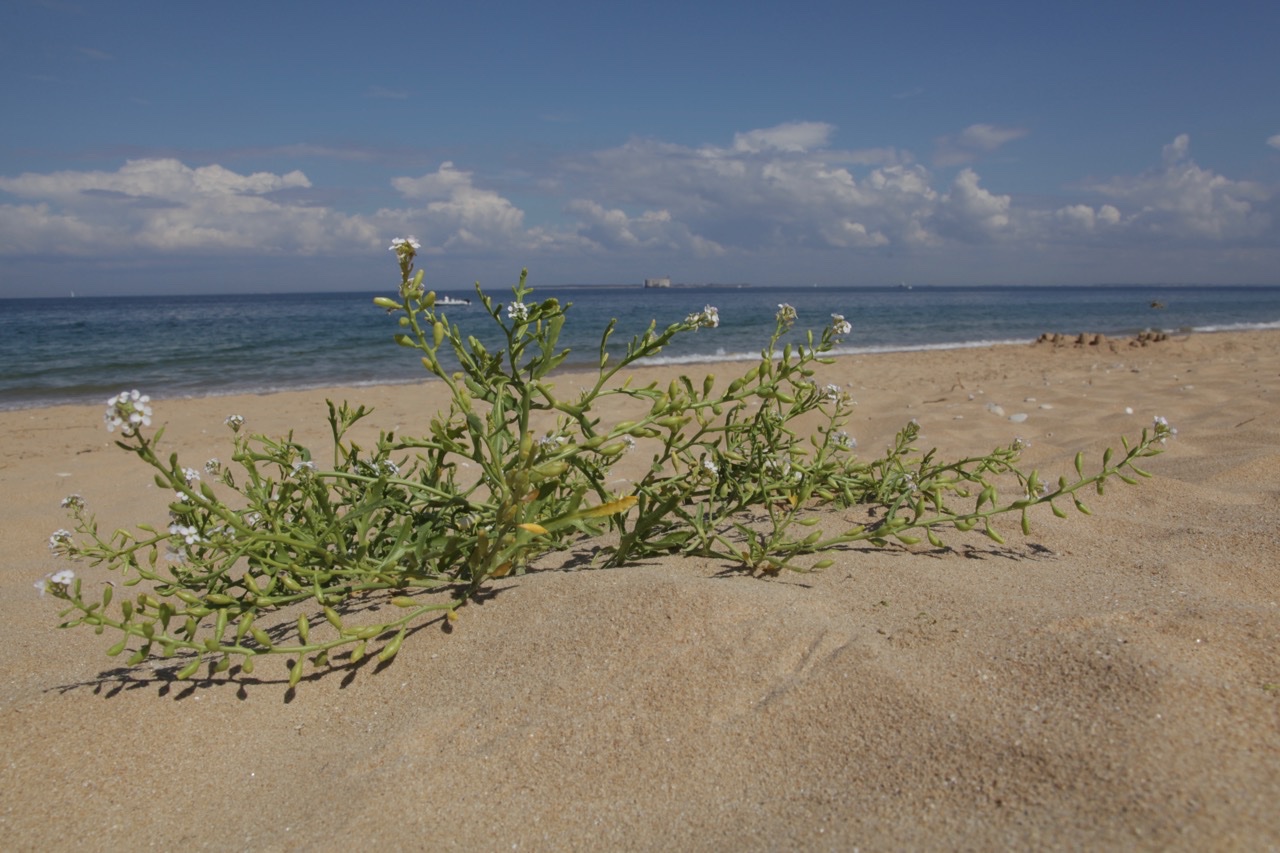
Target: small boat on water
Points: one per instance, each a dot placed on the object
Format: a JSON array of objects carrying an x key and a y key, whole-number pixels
[{"x": 451, "y": 300}]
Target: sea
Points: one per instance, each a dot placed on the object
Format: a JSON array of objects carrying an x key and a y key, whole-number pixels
[{"x": 83, "y": 350}]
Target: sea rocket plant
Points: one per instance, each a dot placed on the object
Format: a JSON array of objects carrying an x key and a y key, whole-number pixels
[{"x": 330, "y": 556}]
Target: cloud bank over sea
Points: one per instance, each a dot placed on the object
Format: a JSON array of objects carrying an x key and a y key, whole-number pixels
[{"x": 769, "y": 203}]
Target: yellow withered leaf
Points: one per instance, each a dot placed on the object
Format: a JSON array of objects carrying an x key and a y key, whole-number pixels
[
  {"x": 533, "y": 528},
  {"x": 611, "y": 508}
]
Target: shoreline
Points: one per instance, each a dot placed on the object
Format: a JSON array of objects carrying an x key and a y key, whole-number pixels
[
  {"x": 674, "y": 362},
  {"x": 1108, "y": 681}
]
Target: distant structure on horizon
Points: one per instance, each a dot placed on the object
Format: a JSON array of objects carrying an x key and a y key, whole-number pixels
[{"x": 665, "y": 281}]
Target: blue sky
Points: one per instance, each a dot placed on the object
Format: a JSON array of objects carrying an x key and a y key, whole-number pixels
[{"x": 154, "y": 147}]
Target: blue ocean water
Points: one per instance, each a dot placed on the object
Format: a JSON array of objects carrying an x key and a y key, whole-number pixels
[{"x": 75, "y": 350}]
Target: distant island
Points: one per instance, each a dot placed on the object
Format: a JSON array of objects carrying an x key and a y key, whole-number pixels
[{"x": 664, "y": 283}]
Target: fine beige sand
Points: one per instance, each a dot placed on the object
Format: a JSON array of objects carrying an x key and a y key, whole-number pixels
[{"x": 1110, "y": 682}]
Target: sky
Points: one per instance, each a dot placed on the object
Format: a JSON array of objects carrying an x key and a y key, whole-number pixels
[{"x": 153, "y": 147}]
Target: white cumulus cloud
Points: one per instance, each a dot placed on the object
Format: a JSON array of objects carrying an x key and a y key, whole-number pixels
[
  {"x": 166, "y": 205},
  {"x": 973, "y": 141},
  {"x": 1182, "y": 200}
]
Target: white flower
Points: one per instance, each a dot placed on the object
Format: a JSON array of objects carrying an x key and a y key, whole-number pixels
[
  {"x": 518, "y": 312},
  {"x": 708, "y": 317},
  {"x": 128, "y": 410},
  {"x": 1162, "y": 429},
  {"x": 629, "y": 442},
  {"x": 786, "y": 315},
  {"x": 73, "y": 502},
  {"x": 832, "y": 394},
  {"x": 191, "y": 475},
  {"x": 186, "y": 532},
  {"x": 235, "y": 422},
  {"x": 63, "y": 578},
  {"x": 406, "y": 244},
  {"x": 304, "y": 467},
  {"x": 840, "y": 326},
  {"x": 60, "y": 541},
  {"x": 843, "y": 439},
  {"x": 710, "y": 467},
  {"x": 213, "y": 467}
]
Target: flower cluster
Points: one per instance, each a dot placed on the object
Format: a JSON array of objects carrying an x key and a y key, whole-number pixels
[
  {"x": 56, "y": 582},
  {"x": 404, "y": 245},
  {"x": 834, "y": 394},
  {"x": 707, "y": 318},
  {"x": 1163, "y": 430},
  {"x": 786, "y": 316},
  {"x": 60, "y": 541},
  {"x": 840, "y": 326},
  {"x": 235, "y": 422},
  {"x": 518, "y": 312},
  {"x": 128, "y": 410}
]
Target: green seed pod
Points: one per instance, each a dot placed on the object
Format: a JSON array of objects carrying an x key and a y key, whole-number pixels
[
  {"x": 390, "y": 649},
  {"x": 437, "y": 332},
  {"x": 118, "y": 647},
  {"x": 357, "y": 654},
  {"x": 551, "y": 469},
  {"x": 219, "y": 599},
  {"x": 295, "y": 672},
  {"x": 304, "y": 627},
  {"x": 188, "y": 670},
  {"x": 384, "y": 302},
  {"x": 247, "y": 666},
  {"x": 332, "y": 616},
  {"x": 260, "y": 637}
]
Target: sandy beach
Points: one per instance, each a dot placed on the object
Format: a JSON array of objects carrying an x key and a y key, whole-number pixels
[{"x": 1107, "y": 682}]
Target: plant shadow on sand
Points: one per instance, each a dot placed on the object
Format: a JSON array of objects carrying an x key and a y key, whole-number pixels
[{"x": 163, "y": 674}]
